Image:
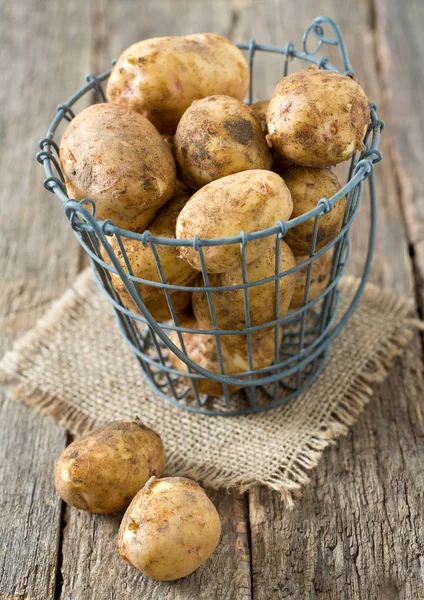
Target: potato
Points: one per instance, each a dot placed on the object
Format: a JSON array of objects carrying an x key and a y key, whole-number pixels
[
  {"x": 202, "y": 349},
  {"x": 279, "y": 163},
  {"x": 318, "y": 118},
  {"x": 307, "y": 186},
  {"x": 320, "y": 278},
  {"x": 219, "y": 136},
  {"x": 180, "y": 187},
  {"x": 260, "y": 109},
  {"x": 229, "y": 305},
  {"x": 170, "y": 529},
  {"x": 116, "y": 157},
  {"x": 141, "y": 258},
  {"x": 160, "y": 77},
  {"x": 158, "y": 306},
  {"x": 169, "y": 139},
  {"x": 247, "y": 201},
  {"x": 103, "y": 471}
]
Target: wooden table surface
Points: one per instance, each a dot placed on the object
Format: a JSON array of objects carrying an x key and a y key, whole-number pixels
[{"x": 357, "y": 532}]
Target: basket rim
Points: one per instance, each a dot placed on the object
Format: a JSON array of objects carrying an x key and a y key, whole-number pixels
[{"x": 361, "y": 167}]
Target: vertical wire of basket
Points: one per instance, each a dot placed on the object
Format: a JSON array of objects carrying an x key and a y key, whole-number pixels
[{"x": 307, "y": 331}]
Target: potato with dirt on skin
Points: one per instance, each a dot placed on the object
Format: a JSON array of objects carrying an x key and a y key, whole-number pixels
[
  {"x": 169, "y": 139},
  {"x": 260, "y": 109},
  {"x": 218, "y": 136},
  {"x": 143, "y": 264},
  {"x": 202, "y": 349},
  {"x": 307, "y": 186},
  {"x": 317, "y": 118},
  {"x": 180, "y": 187},
  {"x": 229, "y": 305},
  {"x": 320, "y": 278},
  {"x": 170, "y": 529},
  {"x": 103, "y": 471},
  {"x": 116, "y": 157},
  {"x": 248, "y": 201},
  {"x": 279, "y": 163},
  {"x": 160, "y": 77},
  {"x": 158, "y": 307}
]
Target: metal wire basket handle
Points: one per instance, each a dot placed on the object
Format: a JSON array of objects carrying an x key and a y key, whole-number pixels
[{"x": 316, "y": 28}]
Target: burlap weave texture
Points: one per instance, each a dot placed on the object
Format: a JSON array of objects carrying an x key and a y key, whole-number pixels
[{"x": 74, "y": 367}]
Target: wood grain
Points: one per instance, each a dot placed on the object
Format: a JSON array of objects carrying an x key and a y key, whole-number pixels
[
  {"x": 357, "y": 532},
  {"x": 342, "y": 540},
  {"x": 88, "y": 541},
  {"x": 93, "y": 569},
  {"x": 38, "y": 259},
  {"x": 400, "y": 45}
]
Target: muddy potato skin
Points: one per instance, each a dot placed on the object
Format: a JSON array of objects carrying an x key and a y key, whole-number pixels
[
  {"x": 201, "y": 348},
  {"x": 307, "y": 186},
  {"x": 260, "y": 109},
  {"x": 247, "y": 201},
  {"x": 320, "y": 278},
  {"x": 116, "y": 157},
  {"x": 142, "y": 261},
  {"x": 218, "y": 136},
  {"x": 160, "y": 77},
  {"x": 103, "y": 471},
  {"x": 141, "y": 258},
  {"x": 170, "y": 529},
  {"x": 317, "y": 118},
  {"x": 158, "y": 306},
  {"x": 180, "y": 187},
  {"x": 279, "y": 163},
  {"x": 229, "y": 305}
]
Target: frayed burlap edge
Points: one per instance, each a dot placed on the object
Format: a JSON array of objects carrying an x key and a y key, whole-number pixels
[{"x": 357, "y": 395}]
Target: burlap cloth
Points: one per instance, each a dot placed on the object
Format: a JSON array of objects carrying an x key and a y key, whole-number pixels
[{"x": 74, "y": 367}]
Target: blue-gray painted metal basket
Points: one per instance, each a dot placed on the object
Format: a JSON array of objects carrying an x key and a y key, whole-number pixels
[{"x": 308, "y": 331}]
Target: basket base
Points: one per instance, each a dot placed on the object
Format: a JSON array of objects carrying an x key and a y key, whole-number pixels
[{"x": 249, "y": 400}]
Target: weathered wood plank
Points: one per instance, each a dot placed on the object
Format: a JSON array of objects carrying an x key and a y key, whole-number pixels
[
  {"x": 345, "y": 538},
  {"x": 38, "y": 259},
  {"x": 91, "y": 565},
  {"x": 275, "y": 22},
  {"x": 93, "y": 569},
  {"x": 400, "y": 46},
  {"x": 30, "y": 511},
  {"x": 357, "y": 532}
]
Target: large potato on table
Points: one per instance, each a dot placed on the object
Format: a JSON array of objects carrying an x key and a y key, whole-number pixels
[
  {"x": 116, "y": 157},
  {"x": 318, "y": 118},
  {"x": 320, "y": 278},
  {"x": 219, "y": 136},
  {"x": 201, "y": 348},
  {"x": 248, "y": 201},
  {"x": 170, "y": 529},
  {"x": 143, "y": 265},
  {"x": 103, "y": 471},
  {"x": 229, "y": 305},
  {"x": 160, "y": 77},
  {"x": 307, "y": 186}
]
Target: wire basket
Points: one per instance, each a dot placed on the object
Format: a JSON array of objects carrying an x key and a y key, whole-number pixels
[{"x": 307, "y": 331}]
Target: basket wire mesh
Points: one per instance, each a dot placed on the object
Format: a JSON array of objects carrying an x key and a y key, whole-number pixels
[{"x": 307, "y": 331}]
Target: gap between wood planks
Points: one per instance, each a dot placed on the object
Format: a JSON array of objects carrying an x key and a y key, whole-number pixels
[
  {"x": 380, "y": 42},
  {"x": 378, "y": 19}
]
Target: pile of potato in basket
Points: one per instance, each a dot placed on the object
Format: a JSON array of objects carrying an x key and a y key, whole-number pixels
[{"x": 176, "y": 151}]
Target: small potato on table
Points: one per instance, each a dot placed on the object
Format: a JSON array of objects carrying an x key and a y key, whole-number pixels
[{"x": 170, "y": 529}]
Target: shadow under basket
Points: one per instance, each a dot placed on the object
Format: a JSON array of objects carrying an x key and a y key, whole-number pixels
[{"x": 307, "y": 332}]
